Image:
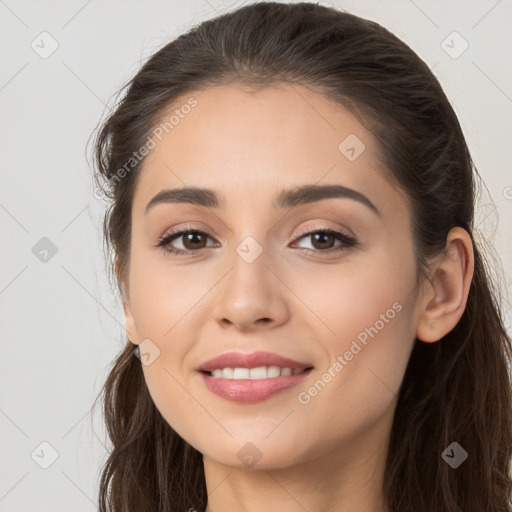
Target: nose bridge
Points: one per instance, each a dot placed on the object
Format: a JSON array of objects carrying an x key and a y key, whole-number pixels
[
  {"x": 249, "y": 268},
  {"x": 250, "y": 236},
  {"x": 252, "y": 244},
  {"x": 252, "y": 249}
]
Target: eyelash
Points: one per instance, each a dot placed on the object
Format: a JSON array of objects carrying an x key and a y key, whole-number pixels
[{"x": 347, "y": 241}]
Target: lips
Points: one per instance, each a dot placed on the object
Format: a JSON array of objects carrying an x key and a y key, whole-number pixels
[
  {"x": 252, "y": 391},
  {"x": 251, "y": 360}
]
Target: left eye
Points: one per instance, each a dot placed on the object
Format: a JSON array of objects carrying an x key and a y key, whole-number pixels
[
  {"x": 192, "y": 242},
  {"x": 322, "y": 240},
  {"x": 324, "y": 237}
]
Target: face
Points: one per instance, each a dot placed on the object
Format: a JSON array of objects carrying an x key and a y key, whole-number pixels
[{"x": 328, "y": 282}]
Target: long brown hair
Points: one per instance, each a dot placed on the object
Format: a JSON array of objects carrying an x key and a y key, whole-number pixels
[{"x": 458, "y": 389}]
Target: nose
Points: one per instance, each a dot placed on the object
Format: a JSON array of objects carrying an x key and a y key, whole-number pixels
[{"x": 251, "y": 296}]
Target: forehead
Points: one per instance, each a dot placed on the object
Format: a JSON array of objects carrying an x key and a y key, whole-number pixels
[{"x": 249, "y": 144}]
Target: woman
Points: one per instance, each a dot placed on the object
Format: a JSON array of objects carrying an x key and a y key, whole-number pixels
[{"x": 291, "y": 221}]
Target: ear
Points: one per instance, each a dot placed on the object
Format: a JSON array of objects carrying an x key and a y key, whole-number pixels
[
  {"x": 130, "y": 328},
  {"x": 445, "y": 294}
]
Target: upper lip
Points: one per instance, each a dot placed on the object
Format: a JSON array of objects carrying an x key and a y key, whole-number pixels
[{"x": 251, "y": 360}]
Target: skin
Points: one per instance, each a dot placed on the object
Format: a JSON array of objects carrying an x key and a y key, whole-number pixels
[{"x": 327, "y": 454}]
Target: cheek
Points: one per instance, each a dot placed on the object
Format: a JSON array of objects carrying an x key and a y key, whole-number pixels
[
  {"x": 168, "y": 304},
  {"x": 164, "y": 295},
  {"x": 341, "y": 300},
  {"x": 359, "y": 385},
  {"x": 367, "y": 332}
]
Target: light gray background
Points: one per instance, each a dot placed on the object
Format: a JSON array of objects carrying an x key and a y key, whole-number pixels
[{"x": 61, "y": 326}]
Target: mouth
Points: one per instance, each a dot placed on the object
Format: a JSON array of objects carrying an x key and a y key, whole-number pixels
[
  {"x": 260, "y": 372},
  {"x": 251, "y": 385}
]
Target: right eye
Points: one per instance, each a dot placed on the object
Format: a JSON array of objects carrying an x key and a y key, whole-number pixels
[{"x": 189, "y": 235}]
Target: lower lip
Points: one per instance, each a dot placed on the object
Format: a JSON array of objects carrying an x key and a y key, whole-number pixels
[{"x": 250, "y": 391}]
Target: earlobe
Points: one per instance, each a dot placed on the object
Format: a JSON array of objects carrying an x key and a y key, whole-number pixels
[{"x": 446, "y": 292}]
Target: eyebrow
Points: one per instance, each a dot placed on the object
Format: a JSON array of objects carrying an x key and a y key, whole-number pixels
[{"x": 285, "y": 199}]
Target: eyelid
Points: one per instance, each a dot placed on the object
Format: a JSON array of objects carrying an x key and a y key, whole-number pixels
[
  {"x": 182, "y": 230},
  {"x": 308, "y": 230},
  {"x": 347, "y": 241},
  {"x": 314, "y": 229},
  {"x": 299, "y": 234}
]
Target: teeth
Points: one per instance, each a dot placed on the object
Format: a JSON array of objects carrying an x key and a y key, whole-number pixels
[
  {"x": 241, "y": 373},
  {"x": 258, "y": 373},
  {"x": 261, "y": 372}
]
